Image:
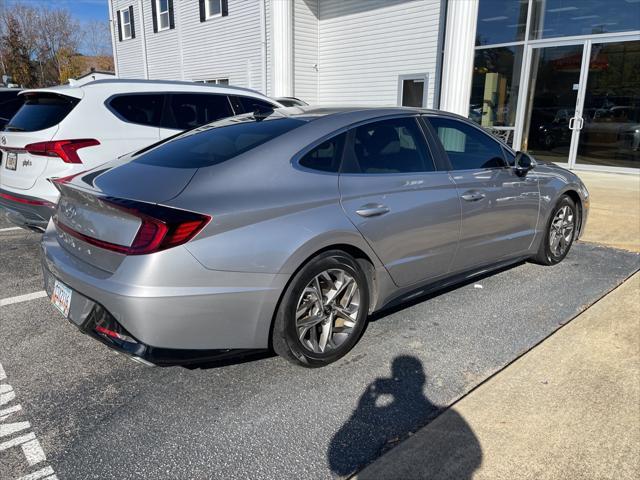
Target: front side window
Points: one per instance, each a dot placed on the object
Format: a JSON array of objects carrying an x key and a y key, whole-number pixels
[
  {"x": 467, "y": 147},
  {"x": 126, "y": 24},
  {"x": 162, "y": 7},
  {"x": 140, "y": 109},
  {"x": 326, "y": 156},
  {"x": 389, "y": 146},
  {"x": 213, "y": 8},
  {"x": 193, "y": 109}
]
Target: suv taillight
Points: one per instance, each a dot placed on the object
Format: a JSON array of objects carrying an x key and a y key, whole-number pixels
[
  {"x": 160, "y": 227},
  {"x": 67, "y": 150}
]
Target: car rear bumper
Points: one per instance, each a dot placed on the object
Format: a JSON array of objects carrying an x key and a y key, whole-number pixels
[
  {"x": 26, "y": 211},
  {"x": 179, "y": 322}
]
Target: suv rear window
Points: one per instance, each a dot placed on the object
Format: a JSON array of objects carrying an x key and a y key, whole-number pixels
[
  {"x": 143, "y": 109},
  {"x": 217, "y": 142},
  {"x": 41, "y": 111}
]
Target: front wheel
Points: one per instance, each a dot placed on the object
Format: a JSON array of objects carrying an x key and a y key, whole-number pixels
[
  {"x": 560, "y": 233},
  {"x": 323, "y": 311}
]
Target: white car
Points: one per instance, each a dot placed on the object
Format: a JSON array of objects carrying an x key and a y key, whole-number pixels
[{"x": 61, "y": 131}]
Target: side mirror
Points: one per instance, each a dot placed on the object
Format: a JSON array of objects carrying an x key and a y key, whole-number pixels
[{"x": 523, "y": 163}]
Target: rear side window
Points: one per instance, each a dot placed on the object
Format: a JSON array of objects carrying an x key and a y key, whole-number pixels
[
  {"x": 467, "y": 147},
  {"x": 389, "y": 146},
  {"x": 216, "y": 143},
  {"x": 250, "y": 104},
  {"x": 140, "y": 109},
  {"x": 41, "y": 111},
  {"x": 326, "y": 156},
  {"x": 191, "y": 110}
]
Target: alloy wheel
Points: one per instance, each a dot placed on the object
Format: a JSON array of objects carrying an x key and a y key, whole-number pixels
[
  {"x": 561, "y": 230},
  {"x": 327, "y": 310}
]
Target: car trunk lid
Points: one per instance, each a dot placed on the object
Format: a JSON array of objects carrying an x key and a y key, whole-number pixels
[{"x": 113, "y": 211}]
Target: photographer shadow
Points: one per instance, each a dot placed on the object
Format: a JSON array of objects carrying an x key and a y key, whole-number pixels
[{"x": 388, "y": 412}]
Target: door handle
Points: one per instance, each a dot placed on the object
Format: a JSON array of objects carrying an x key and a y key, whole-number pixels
[
  {"x": 472, "y": 196},
  {"x": 372, "y": 210},
  {"x": 573, "y": 121}
]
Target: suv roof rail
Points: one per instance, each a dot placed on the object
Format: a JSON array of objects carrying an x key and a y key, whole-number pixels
[{"x": 168, "y": 82}]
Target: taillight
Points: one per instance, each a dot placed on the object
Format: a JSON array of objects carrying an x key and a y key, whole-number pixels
[
  {"x": 160, "y": 227},
  {"x": 67, "y": 150}
]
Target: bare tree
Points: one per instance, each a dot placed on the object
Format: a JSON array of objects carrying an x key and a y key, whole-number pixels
[
  {"x": 59, "y": 39},
  {"x": 97, "y": 38}
]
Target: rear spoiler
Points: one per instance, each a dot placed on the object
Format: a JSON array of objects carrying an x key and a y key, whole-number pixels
[{"x": 62, "y": 91}]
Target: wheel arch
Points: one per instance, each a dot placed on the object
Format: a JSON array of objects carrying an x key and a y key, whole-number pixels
[
  {"x": 575, "y": 196},
  {"x": 364, "y": 259}
]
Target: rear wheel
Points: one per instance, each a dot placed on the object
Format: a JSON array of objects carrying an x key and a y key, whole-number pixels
[
  {"x": 323, "y": 311},
  {"x": 560, "y": 233}
]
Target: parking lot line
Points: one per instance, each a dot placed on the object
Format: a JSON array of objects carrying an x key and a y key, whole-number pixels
[
  {"x": 22, "y": 298},
  {"x": 9, "y": 229}
]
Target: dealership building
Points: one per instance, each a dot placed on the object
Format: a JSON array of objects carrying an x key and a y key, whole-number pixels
[{"x": 558, "y": 78}]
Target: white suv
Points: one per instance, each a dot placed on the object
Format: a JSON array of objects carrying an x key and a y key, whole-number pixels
[{"x": 61, "y": 131}]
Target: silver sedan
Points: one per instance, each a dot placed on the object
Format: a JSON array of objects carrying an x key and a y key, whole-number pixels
[{"x": 286, "y": 229}]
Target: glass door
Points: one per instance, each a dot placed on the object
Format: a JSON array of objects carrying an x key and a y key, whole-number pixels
[
  {"x": 610, "y": 134},
  {"x": 552, "y": 122}
]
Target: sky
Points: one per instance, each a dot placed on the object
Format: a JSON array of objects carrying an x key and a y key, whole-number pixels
[{"x": 83, "y": 10}]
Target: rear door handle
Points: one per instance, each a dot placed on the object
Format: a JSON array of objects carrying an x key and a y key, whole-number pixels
[
  {"x": 472, "y": 196},
  {"x": 372, "y": 210}
]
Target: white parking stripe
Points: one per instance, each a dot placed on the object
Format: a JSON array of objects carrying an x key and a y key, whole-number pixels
[
  {"x": 22, "y": 298},
  {"x": 9, "y": 229},
  {"x": 39, "y": 474}
]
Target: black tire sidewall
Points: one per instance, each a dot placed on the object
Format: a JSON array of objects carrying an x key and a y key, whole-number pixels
[
  {"x": 549, "y": 257},
  {"x": 285, "y": 332}
]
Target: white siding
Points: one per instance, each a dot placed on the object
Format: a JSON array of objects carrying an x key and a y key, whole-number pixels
[
  {"x": 163, "y": 48},
  {"x": 365, "y": 46},
  {"x": 224, "y": 47},
  {"x": 305, "y": 50},
  {"x": 129, "y": 52}
]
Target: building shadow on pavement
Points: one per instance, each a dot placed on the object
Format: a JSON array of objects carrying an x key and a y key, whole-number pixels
[{"x": 390, "y": 409}]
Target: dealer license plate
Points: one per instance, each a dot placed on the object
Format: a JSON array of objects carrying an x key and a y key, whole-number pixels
[
  {"x": 12, "y": 161},
  {"x": 61, "y": 297}
]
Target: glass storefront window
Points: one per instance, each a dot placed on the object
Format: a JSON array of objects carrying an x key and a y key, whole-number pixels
[
  {"x": 495, "y": 84},
  {"x": 565, "y": 18},
  {"x": 501, "y": 21},
  {"x": 611, "y": 132}
]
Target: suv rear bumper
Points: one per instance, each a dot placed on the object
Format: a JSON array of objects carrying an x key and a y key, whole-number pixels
[{"x": 25, "y": 211}]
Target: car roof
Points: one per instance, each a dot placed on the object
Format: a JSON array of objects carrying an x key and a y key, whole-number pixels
[
  {"x": 311, "y": 112},
  {"x": 133, "y": 85}
]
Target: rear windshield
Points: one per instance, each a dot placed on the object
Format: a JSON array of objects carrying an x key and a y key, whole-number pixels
[
  {"x": 216, "y": 142},
  {"x": 40, "y": 111}
]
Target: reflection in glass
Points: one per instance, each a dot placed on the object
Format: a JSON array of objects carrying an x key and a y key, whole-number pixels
[
  {"x": 611, "y": 132},
  {"x": 495, "y": 84},
  {"x": 553, "y": 89},
  {"x": 564, "y": 18},
  {"x": 501, "y": 21}
]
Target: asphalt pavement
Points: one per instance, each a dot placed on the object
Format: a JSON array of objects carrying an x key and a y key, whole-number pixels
[{"x": 97, "y": 414}]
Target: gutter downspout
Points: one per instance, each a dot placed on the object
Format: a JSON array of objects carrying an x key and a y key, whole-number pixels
[
  {"x": 144, "y": 41},
  {"x": 263, "y": 26},
  {"x": 114, "y": 45}
]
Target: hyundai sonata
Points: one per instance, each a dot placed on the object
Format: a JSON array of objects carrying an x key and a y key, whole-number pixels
[{"x": 286, "y": 229}]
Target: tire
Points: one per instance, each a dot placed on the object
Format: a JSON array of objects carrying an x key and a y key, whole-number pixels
[
  {"x": 560, "y": 231},
  {"x": 298, "y": 333}
]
